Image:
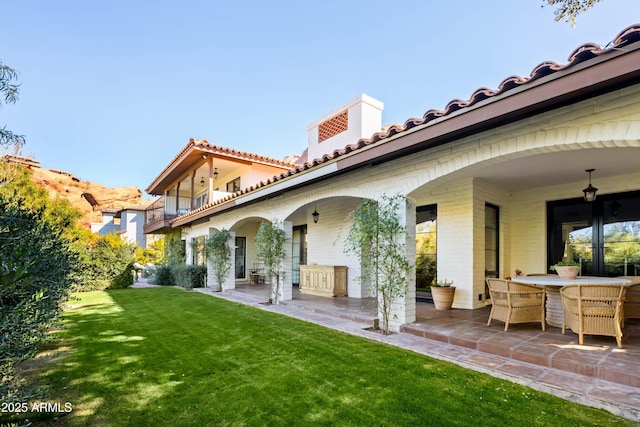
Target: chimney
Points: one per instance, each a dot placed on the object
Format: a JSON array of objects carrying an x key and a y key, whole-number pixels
[{"x": 359, "y": 118}]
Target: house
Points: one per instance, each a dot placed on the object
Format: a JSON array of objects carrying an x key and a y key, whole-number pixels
[
  {"x": 498, "y": 178},
  {"x": 128, "y": 222}
]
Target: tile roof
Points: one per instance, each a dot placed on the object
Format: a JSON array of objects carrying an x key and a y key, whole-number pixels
[
  {"x": 582, "y": 53},
  {"x": 216, "y": 150},
  {"x": 205, "y": 146}
]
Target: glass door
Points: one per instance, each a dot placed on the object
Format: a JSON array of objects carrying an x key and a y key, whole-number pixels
[
  {"x": 299, "y": 252},
  {"x": 241, "y": 257},
  {"x": 602, "y": 236},
  {"x": 621, "y": 237}
]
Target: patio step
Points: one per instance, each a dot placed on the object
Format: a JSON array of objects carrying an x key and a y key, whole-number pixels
[
  {"x": 600, "y": 358},
  {"x": 337, "y": 312}
]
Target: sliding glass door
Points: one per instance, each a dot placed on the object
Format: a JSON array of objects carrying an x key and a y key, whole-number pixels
[{"x": 603, "y": 236}]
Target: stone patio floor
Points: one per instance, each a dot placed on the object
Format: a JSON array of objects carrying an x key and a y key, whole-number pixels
[{"x": 597, "y": 374}]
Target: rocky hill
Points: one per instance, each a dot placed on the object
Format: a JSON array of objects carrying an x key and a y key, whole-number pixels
[{"x": 88, "y": 197}]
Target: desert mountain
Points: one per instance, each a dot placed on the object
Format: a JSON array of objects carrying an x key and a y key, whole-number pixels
[{"x": 88, "y": 197}]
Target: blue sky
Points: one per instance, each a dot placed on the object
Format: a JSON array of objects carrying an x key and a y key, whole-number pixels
[{"x": 111, "y": 91}]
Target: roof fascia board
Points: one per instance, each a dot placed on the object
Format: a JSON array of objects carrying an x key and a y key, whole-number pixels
[{"x": 182, "y": 156}]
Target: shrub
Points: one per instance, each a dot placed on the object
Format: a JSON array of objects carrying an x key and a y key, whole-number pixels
[
  {"x": 35, "y": 278},
  {"x": 124, "y": 279},
  {"x": 104, "y": 261},
  {"x": 189, "y": 276},
  {"x": 164, "y": 276}
]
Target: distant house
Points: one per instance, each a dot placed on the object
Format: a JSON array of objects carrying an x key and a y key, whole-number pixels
[
  {"x": 128, "y": 222},
  {"x": 497, "y": 178}
]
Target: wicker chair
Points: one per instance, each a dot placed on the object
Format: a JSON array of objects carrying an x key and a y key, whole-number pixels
[
  {"x": 593, "y": 310},
  {"x": 632, "y": 298},
  {"x": 515, "y": 303}
]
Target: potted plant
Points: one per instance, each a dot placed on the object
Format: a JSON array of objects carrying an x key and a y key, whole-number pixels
[
  {"x": 442, "y": 292},
  {"x": 567, "y": 270}
]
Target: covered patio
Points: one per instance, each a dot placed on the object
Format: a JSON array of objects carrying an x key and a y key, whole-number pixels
[{"x": 463, "y": 329}]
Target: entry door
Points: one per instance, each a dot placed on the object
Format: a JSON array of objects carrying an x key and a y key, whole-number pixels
[{"x": 603, "y": 236}]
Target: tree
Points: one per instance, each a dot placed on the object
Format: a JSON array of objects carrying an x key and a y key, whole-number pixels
[
  {"x": 174, "y": 248},
  {"x": 270, "y": 250},
  {"x": 153, "y": 254},
  {"x": 219, "y": 253},
  {"x": 9, "y": 92},
  {"x": 106, "y": 263},
  {"x": 569, "y": 9},
  {"x": 379, "y": 240}
]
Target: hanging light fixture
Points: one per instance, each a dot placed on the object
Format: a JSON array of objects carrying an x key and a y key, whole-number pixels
[
  {"x": 590, "y": 191},
  {"x": 315, "y": 215},
  {"x": 215, "y": 173}
]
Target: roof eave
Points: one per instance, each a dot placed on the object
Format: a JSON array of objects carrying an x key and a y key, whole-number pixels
[{"x": 586, "y": 80}]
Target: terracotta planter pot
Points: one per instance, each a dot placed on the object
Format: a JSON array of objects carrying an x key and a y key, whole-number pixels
[
  {"x": 443, "y": 297},
  {"x": 569, "y": 272}
]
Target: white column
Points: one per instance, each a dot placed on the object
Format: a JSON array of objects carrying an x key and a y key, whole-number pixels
[
  {"x": 287, "y": 284},
  {"x": 403, "y": 310}
]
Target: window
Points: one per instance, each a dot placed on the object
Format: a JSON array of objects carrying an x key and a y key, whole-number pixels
[
  {"x": 201, "y": 200},
  {"x": 426, "y": 245},
  {"x": 491, "y": 241},
  {"x": 241, "y": 257},
  {"x": 233, "y": 186}
]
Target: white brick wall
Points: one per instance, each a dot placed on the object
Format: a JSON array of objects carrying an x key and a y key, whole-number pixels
[{"x": 445, "y": 175}]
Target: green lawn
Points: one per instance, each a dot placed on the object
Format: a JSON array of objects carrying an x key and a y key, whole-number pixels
[{"x": 168, "y": 357}]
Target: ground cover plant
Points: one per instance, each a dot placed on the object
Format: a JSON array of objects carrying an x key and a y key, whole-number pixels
[{"x": 166, "y": 356}]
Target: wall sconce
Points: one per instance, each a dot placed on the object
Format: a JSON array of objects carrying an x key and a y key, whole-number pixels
[
  {"x": 315, "y": 215},
  {"x": 202, "y": 182},
  {"x": 215, "y": 173},
  {"x": 590, "y": 191}
]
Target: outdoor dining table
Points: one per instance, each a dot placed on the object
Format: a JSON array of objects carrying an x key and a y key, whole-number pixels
[{"x": 552, "y": 283}]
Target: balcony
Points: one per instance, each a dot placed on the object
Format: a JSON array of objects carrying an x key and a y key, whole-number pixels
[
  {"x": 161, "y": 212},
  {"x": 159, "y": 215}
]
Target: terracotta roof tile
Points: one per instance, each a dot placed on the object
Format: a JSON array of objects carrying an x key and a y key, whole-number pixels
[
  {"x": 582, "y": 53},
  {"x": 205, "y": 146}
]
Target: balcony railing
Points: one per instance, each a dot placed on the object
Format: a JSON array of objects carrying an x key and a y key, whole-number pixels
[{"x": 160, "y": 213}]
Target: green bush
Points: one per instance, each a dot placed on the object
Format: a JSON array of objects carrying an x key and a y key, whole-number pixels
[
  {"x": 189, "y": 276},
  {"x": 124, "y": 279},
  {"x": 164, "y": 277},
  {"x": 35, "y": 277},
  {"x": 104, "y": 261},
  {"x": 185, "y": 276}
]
